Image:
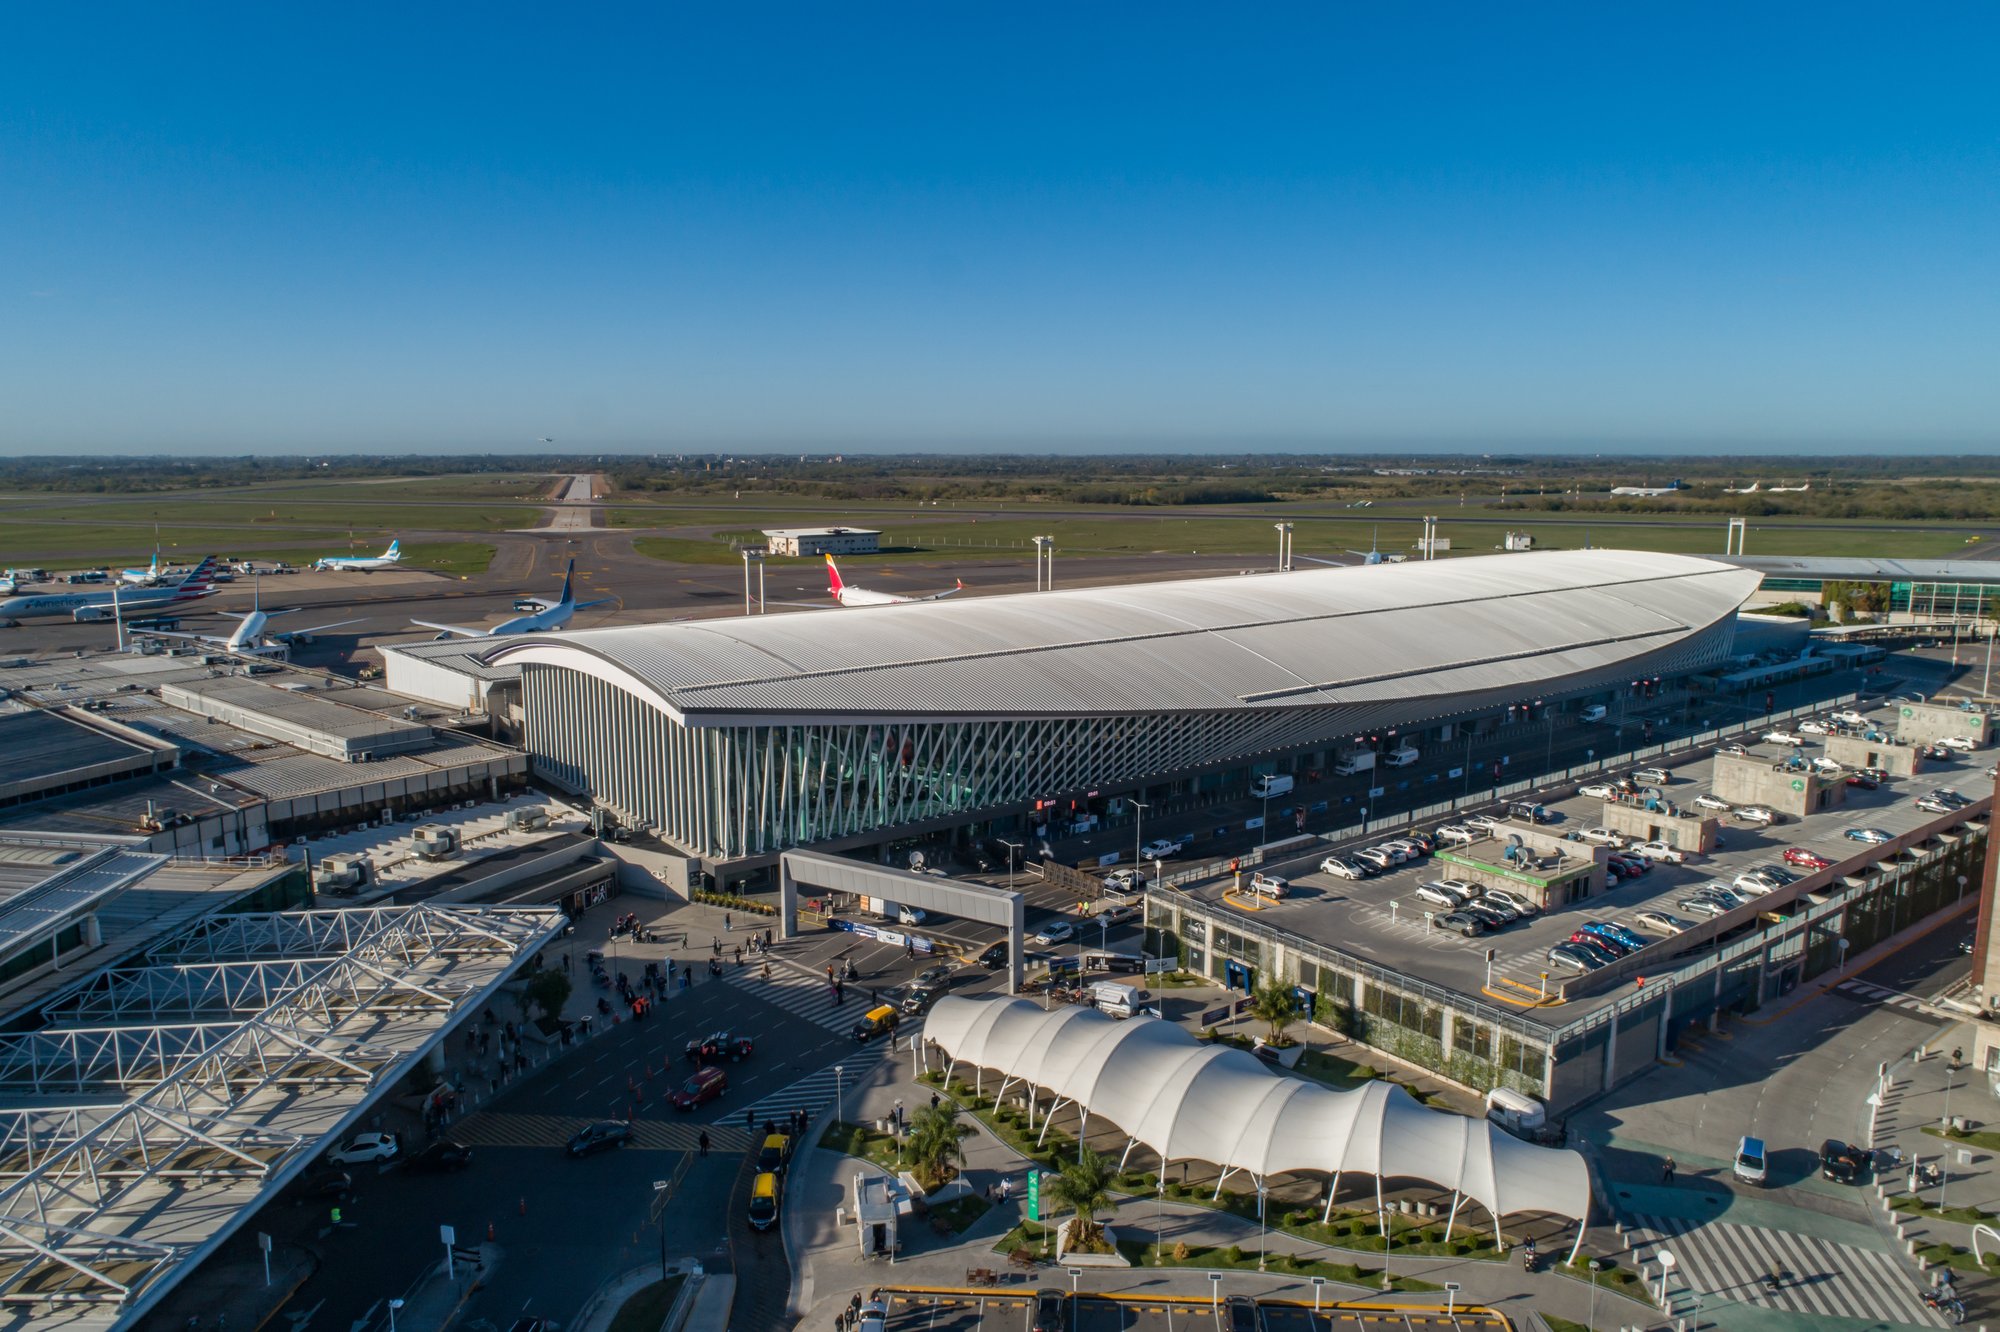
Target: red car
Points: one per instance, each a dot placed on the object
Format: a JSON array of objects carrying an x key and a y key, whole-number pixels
[
  {"x": 1798, "y": 855},
  {"x": 703, "y": 1087}
]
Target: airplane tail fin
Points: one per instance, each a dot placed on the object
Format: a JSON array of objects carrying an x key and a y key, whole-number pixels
[
  {"x": 198, "y": 583},
  {"x": 834, "y": 584},
  {"x": 567, "y": 574},
  {"x": 395, "y": 551}
]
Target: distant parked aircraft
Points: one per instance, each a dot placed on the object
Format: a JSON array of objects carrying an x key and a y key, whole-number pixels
[
  {"x": 1791, "y": 490},
  {"x": 84, "y": 606},
  {"x": 1646, "y": 492},
  {"x": 552, "y": 615},
  {"x": 149, "y": 576},
  {"x": 1750, "y": 489},
  {"x": 388, "y": 559},
  {"x": 248, "y": 639},
  {"x": 848, "y": 595}
]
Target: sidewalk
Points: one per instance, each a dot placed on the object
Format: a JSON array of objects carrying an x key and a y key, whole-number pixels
[{"x": 829, "y": 1267}]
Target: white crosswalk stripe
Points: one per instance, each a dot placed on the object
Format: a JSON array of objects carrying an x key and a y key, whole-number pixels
[
  {"x": 805, "y": 996},
  {"x": 816, "y": 1090},
  {"x": 1821, "y": 1278},
  {"x": 1875, "y": 994}
]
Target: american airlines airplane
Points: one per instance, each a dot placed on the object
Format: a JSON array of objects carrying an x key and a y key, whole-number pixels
[
  {"x": 248, "y": 638},
  {"x": 83, "y": 606},
  {"x": 552, "y": 615},
  {"x": 388, "y": 559},
  {"x": 848, "y": 595},
  {"x": 1646, "y": 492}
]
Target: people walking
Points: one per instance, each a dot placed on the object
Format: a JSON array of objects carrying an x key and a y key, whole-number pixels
[
  {"x": 703, "y": 1142},
  {"x": 1667, "y": 1171}
]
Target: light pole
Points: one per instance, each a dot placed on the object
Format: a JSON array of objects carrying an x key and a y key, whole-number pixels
[
  {"x": 1264, "y": 825},
  {"x": 839, "y": 1101},
  {"x": 1591, "y": 1322},
  {"x": 1138, "y": 826},
  {"x": 393, "y": 1306},
  {"x": 1944, "y": 1161},
  {"x": 1012, "y": 847},
  {"x": 1260, "y": 1225},
  {"x": 659, "y": 1187},
  {"x": 1159, "y": 1214}
]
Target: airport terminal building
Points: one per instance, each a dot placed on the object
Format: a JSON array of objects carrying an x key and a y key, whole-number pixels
[{"x": 735, "y": 739}]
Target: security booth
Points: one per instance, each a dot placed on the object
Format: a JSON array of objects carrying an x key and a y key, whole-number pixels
[{"x": 880, "y": 1201}]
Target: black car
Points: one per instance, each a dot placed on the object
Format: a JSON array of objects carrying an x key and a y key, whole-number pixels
[
  {"x": 718, "y": 1046},
  {"x": 918, "y": 999},
  {"x": 1051, "y": 1311},
  {"x": 1241, "y": 1314},
  {"x": 603, "y": 1136},
  {"x": 322, "y": 1184},
  {"x": 995, "y": 956},
  {"x": 1840, "y": 1162},
  {"x": 441, "y": 1156}
]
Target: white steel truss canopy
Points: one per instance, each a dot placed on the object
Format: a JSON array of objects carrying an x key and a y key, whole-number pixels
[
  {"x": 163, "y": 1101},
  {"x": 1191, "y": 1101},
  {"x": 1342, "y": 637}
]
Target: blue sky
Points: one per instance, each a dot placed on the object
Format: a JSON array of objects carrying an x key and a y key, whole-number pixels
[{"x": 391, "y": 228}]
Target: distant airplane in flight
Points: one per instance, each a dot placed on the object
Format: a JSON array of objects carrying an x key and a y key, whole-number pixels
[
  {"x": 848, "y": 595},
  {"x": 1646, "y": 492},
  {"x": 388, "y": 559},
  {"x": 550, "y": 615},
  {"x": 248, "y": 638}
]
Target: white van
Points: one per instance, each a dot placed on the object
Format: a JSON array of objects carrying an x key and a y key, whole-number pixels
[
  {"x": 1118, "y": 999},
  {"x": 1271, "y": 784},
  {"x": 1596, "y": 712},
  {"x": 1402, "y": 756}
]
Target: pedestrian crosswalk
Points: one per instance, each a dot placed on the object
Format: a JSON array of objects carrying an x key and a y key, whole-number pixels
[
  {"x": 804, "y": 995},
  {"x": 497, "y": 1128},
  {"x": 817, "y": 1090},
  {"x": 1878, "y": 994},
  {"x": 1721, "y": 1263}
]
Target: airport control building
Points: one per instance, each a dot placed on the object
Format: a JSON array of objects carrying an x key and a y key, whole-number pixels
[{"x": 734, "y": 739}]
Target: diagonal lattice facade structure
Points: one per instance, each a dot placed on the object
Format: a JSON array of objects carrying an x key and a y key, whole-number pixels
[{"x": 740, "y": 738}]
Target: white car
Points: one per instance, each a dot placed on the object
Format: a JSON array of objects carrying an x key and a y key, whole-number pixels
[
  {"x": 1833, "y": 767},
  {"x": 909, "y": 915},
  {"x": 1850, "y": 719},
  {"x": 1410, "y": 850},
  {"x": 1731, "y": 749},
  {"x": 1511, "y": 898},
  {"x": 1439, "y": 895},
  {"x": 365, "y": 1147},
  {"x": 1812, "y": 727},
  {"x": 1657, "y": 776},
  {"x": 1165, "y": 848},
  {"x": 1784, "y": 738},
  {"x": 1672, "y": 855},
  {"x": 1755, "y": 882},
  {"x": 1757, "y": 814},
  {"x": 1962, "y": 744},
  {"x": 1483, "y": 822},
  {"x": 1712, "y": 802},
  {"x": 1602, "y": 836},
  {"x": 1341, "y": 868},
  {"x": 1125, "y": 880},
  {"x": 1597, "y": 791},
  {"x": 1459, "y": 833},
  {"x": 1397, "y": 853},
  {"x": 1055, "y": 932}
]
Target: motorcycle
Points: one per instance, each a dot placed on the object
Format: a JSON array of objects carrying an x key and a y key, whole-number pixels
[
  {"x": 1944, "y": 1300},
  {"x": 1530, "y": 1261}
]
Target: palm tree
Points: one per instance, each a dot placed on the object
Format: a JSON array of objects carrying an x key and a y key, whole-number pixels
[
  {"x": 1273, "y": 1005},
  {"x": 1085, "y": 1187},
  {"x": 936, "y": 1140}
]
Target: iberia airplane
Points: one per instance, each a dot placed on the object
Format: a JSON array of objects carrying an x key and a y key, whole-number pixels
[{"x": 848, "y": 595}]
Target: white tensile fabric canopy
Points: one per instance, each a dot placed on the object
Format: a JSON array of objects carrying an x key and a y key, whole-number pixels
[{"x": 1188, "y": 1100}]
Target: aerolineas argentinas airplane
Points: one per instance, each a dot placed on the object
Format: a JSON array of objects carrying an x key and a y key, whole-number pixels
[
  {"x": 248, "y": 639},
  {"x": 551, "y": 615},
  {"x": 848, "y": 595},
  {"x": 388, "y": 559}
]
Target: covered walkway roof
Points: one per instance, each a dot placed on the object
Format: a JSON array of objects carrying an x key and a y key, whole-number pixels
[
  {"x": 1189, "y": 1100},
  {"x": 1384, "y": 633}
]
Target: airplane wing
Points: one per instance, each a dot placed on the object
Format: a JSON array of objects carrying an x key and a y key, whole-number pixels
[
  {"x": 601, "y": 601},
  {"x": 316, "y": 629},
  {"x": 950, "y": 591},
  {"x": 192, "y": 638},
  {"x": 458, "y": 629}
]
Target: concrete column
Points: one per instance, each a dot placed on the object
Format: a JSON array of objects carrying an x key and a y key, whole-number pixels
[
  {"x": 1666, "y": 1023},
  {"x": 1014, "y": 932},
  {"x": 1611, "y": 1052},
  {"x": 788, "y": 900}
]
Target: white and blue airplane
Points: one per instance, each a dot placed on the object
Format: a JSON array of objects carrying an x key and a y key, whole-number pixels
[
  {"x": 550, "y": 615},
  {"x": 84, "y": 606},
  {"x": 388, "y": 559},
  {"x": 248, "y": 639},
  {"x": 149, "y": 576}
]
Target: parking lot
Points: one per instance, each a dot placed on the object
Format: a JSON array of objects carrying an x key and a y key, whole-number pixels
[
  {"x": 1383, "y": 919},
  {"x": 1013, "y": 1311}
]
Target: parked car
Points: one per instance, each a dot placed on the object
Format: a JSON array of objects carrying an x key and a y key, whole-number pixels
[
  {"x": 1464, "y": 922},
  {"x": 1757, "y": 814},
  {"x": 1937, "y": 753},
  {"x": 1592, "y": 939},
  {"x": 1374, "y": 856},
  {"x": 1425, "y": 842},
  {"x": 1602, "y": 836},
  {"x": 994, "y": 956},
  {"x": 1597, "y": 791},
  {"x": 1784, "y": 738},
  {"x": 1410, "y": 847},
  {"x": 703, "y": 1087},
  {"x": 1270, "y": 885},
  {"x": 1055, "y": 932},
  {"x": 918, "y": 999},
  {"x": 1126, "y": 880},
  {"x": 363, "y": 1148},
  {"x": 1243, "y": 1314},
  {"x": 1663, "y": 922},
  {"x": 1731, "y": 749},
  {"x": 1812, "y": 860},
  {"x": 874, "y": 1317},
  {"x": 1513, "y": 899},
  {"x": 1873, "y": 836},
  {"x": 1117, "y": 913},
  {"x": 1930, "y": 804},
  {"x": 1956, "y": 799},
  {"x": 1850, "y": 718},
  {"x": 1397, "y": 855},
  {"x": 1810, "y": 726},
  {"x": 1504, "y": 911},
  {"x": 1616, "y": 933},
  {"x": 325, "y": 1182},
  {"x": 603, "y": 1136},
  {"x": 1752, "y": 1164},
  {"x": 1656, "y": 850},
  {"x": 1654, "y": 776},
  {"x": 1841, "y": 1163},
  {"x": 1864, "y": 781},
  {"x": 1629, "y": 866},
  {"x": 1162, "y": 848},
  {"x": 1713, "y": 802},
  {"x": 764, "y": 1194},
  {"x": 775, "y": 1151},
  {"x": 1051, "y": 1311},
  {"x": 1439, "y": 895},
  {"x": 441, "y": 1156},
  {"x": 941, "y": 976},
  {"x": 1757, "y": 882},
  {"x": 1458, "y": 833},
  {"x": 1483, "y": 821},
  {"x": 1700, "y": 904},
  {"x": 1576, "y": 957},
  {"x": 1342, "y": 867},
  {"x": 1963, "y": 744}
]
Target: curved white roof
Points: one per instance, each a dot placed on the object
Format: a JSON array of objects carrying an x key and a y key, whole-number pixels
[
  {"x": 1188, "y": 1100},
  {"x": 1390, "y": 632}
]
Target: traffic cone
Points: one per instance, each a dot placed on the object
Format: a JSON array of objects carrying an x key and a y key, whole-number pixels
[{"x": 489, "y": 1232}]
